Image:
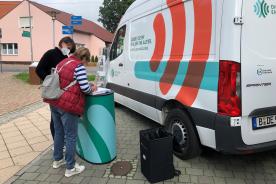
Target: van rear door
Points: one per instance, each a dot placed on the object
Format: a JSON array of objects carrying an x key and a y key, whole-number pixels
[{"x": 258, "y": 70}]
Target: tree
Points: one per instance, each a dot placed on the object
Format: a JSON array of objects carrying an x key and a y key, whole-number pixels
[
  {"x": 112, "y": 11},
  {"x": 92, "y": 59}
]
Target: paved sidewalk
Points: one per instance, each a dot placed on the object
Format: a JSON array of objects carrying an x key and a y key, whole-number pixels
[
  {"x": 128, "y": 126},
  {"x": 210, "y": 168},
  {"x": 22, "y": 140},
  {"x": 15, "y": 94}
]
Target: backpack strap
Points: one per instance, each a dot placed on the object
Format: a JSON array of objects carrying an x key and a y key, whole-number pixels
[
  {"x": 68, "y": 62},
  {"x": 72, "y": 83}
]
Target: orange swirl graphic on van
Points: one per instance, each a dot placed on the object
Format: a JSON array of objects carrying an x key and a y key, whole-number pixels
[
  {"x": 190, "y": 75},
  {"x": 201, "y": 50},
  {"x": 178, "y": 43},
  {"x": 160, "y": 37}
]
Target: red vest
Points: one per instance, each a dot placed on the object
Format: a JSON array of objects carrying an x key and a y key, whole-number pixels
[{"x": 72, "y": 100}]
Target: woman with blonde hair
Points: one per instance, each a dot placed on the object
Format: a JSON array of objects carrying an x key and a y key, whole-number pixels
[{"x": 68, "y": 108}]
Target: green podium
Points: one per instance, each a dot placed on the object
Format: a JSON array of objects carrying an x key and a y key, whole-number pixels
[{"x": 96, "y": 142}]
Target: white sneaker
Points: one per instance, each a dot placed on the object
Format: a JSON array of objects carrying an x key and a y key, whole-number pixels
[
  {"x": 58, "y": 164},
  {"x": 76, "y": 170}
]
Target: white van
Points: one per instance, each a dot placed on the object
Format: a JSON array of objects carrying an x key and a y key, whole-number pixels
[{"x": 205, "y": 69}]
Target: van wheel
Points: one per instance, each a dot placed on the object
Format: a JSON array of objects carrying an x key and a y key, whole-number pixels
[{"x": 186, "y": 144}]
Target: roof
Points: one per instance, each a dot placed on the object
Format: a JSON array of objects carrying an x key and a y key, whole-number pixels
[
  {"x": 7, "y": 6},
  {"x": 87, "y": 26}
]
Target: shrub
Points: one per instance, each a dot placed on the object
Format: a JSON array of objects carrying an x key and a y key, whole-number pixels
[
  {"x": 96, "y": 59},
  {"x": 92, "y": 59}
]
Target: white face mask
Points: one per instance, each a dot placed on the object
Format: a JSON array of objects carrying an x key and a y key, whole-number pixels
[{"x": 65, "y": 51}]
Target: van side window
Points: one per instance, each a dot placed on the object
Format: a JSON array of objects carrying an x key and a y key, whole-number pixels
[{"x": 118, "y": 44}]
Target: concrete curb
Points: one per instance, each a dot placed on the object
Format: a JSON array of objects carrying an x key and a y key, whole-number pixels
[{"x": 5, "y": 118}]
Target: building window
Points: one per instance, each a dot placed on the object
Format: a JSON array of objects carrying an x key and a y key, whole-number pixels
[
  {"x": 9, "y": 49},
  {"x": 24, "y": 22}
]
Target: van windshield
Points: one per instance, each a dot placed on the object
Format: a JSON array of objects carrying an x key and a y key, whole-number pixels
[{"x": 118, "y": 44}]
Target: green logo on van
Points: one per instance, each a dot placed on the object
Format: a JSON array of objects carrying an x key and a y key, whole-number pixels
[
  {"x": 115, "y": 73},
  {"x": 261, "y": 8},
  {"x": 112, "y": 73}
]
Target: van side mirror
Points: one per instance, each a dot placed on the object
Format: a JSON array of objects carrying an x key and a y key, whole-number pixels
[{"x": 107, "y": 52}]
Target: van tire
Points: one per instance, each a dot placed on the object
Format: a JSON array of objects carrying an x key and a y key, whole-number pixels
[{"x": 186, "y": 144}]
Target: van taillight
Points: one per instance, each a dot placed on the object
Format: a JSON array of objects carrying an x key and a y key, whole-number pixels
[{"x": 229, "y": 92}]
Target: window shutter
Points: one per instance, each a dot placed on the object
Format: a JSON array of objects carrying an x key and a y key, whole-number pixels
[{"x": 25, "y": 22}]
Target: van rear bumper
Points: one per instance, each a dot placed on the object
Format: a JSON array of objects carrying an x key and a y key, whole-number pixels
[{"x": 229, "y": 139}]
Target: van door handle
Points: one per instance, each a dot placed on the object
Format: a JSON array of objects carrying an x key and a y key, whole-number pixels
[{"x": 121, "y": 65}]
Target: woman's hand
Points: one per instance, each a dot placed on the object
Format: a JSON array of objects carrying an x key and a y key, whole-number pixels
[{"x": 94, "y": 87}]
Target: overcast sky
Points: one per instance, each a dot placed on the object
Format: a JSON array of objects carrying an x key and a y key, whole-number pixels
[{"x": 89, "y": 9}]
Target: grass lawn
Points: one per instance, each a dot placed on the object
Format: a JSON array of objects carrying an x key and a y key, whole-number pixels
[
  {"x": 24, "y": 76},
  {"x": 91, "y": 77}
]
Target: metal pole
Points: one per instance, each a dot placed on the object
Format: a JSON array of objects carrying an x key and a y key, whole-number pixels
[
  {"x": 54, "y": 35},
  {"x": 1, "y": 64},
  {"x": 73, "y": 34},
  {"x": 31, "y": 35},
  {"x": 54, "y": 17}
]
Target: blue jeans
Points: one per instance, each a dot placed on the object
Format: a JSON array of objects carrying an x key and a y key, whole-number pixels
[{"x": 66, "y": 125}]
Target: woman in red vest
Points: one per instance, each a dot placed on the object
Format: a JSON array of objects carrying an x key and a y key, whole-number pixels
[{"x": 68, "y": 108}]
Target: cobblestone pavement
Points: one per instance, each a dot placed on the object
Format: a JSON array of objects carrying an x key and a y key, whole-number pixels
[
  {"x": 211, "y": 167},
  {"x": 15, "y": 94},
  {"x": 22, "y": 140}
]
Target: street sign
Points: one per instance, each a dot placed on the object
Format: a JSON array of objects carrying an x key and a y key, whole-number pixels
[
  {"x": 76, "y": 20},
  {"x": 79, "y": 18},
  {"x": 76, "y": 23},
  {"x": 67, "y": 30},
  {"x": 26, "y": 34}
]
